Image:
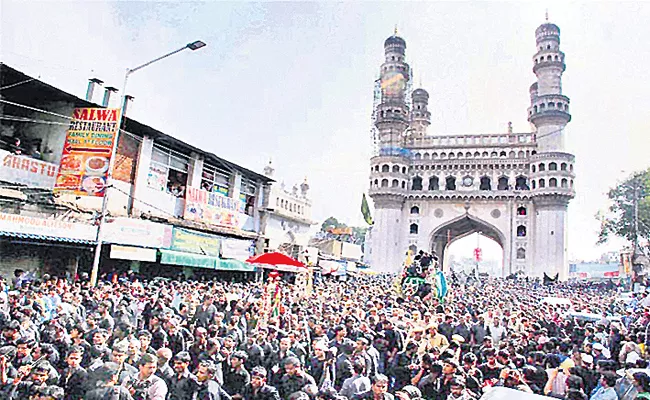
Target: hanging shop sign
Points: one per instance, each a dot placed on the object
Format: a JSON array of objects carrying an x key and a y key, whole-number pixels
[
  {"x": 195, "y": 242},
  {"x": 87, "y": 152},
  {"x": 137, "y": 232},
  {"x": 213, "y": 208},
  {"x": 133, "y": 253},
  {"x": 23, "y": 224},
  {"x": 27, "y": 171},
  {"x": 237, "y": 249}
]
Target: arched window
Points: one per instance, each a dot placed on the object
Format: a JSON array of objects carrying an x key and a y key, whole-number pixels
[
  {"x": 450, "y": 183},
  {"x": 542, "y": 183},
  {"x": 413, "y": 248},
  {"x": 512, "y": 154},
  {"x": 552, "y": 182},
  {"x": 396, "y": 168},
  {"x": 417, "y": 183},
  {"x": 468, "y": 155},
  {"x": 565, "y": 183},
  {"x": 376, "y": 183},
  {"x": 485, "y": 154},
  {"x": 563, "y": 166},
  {"x": 413, "y": 229},
  {"x": 521, "y": 154},
  {"x": 443, "y": 155},
  {"x": 434, "y": 156},
  {"x": 494, "y": 154},
  {"x": 521, "y": 210},
  {"x": 433, "y": 183},
  {"x": 533, "y": 152},
  {"x": 418, "y": 156},
  {"x": 395, "y": 183},
  {"x": 415, "y": 210},
  {"x": 521, "y": 183},
  {"x": 385, "y": 168},
  {"x": 485, "y": 183},
  {"x": 425, "y": 156},
  {"x": 477, "y": 154},
  {"x": 403, "y": 184},
  {"x": 384, "y": 183},
  {"x": 452, "y": 155},
  {"x": 521, "y": 231},
  {"x": 532, "y": 168},
  {"x": 542, "y": 167},
  {"x": 552, "y": 167},
  {"x": 534, "y": 185},
  {"x": 377, "y": 168},
  {"x": 521, "y": 253},
  {"x": 503, "y": 183}
]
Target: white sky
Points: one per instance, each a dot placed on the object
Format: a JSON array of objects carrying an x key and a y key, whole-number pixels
[{"x": 294, "y": 81}]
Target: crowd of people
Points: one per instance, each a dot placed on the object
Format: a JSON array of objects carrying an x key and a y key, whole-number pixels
[{"x": 162, "y": 339}]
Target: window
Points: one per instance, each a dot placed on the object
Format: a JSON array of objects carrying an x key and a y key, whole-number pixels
[
  {"x": 417, "y": 183},
  {"x": 542, "y": 167},
  {"x": 377, "y": 168},
  {"x": 521, "y": 183},
  {"x": 532, "y": 168},
  {"x": 385, "y": 168},
  {"x": 521, "y": 231},
  {"x": 415, "y": 210},
  {"x": 396, "y": 168},
  {"x": 403, "y": 170},
  {"x": 521, "y": 253},
  {"x": 494, "y": 154},
  {"x": 503, "y": 154},
  {"x": 376, "y": 183},
  {"x": 450, "y": 183},
  {"x": 565, "y": 183},
  {"x": 395, "y": 183},
  {"x": 215, "y": 179},
  {"x": 413, "y": 229},
  {"x": 521, "y": 211},
  {"x": 542, "y": 183},
  {"x": 485, "y": 183},
  {"x": 168, "y": 171},
  {"x": 433, "y": 183},
  {"x": 563, "y": 166},
  {"x": 552, "y": 182},
  {"x": 503, "y": 183},
  {"x": 552, "y": 167},
  {"x": 534, "y": 185},
  {"x": 384, "y": 183}
]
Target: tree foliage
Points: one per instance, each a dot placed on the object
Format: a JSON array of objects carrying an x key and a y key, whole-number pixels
[{"x": 619, "y": 219}]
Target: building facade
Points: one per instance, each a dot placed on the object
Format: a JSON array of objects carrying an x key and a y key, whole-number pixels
[
  {"x": 170, "y": 204},
  {"x": 289, "y": 222},
  {"x": 430, "y": 190}
]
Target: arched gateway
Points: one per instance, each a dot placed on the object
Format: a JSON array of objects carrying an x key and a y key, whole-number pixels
[
  {"x": 460, "y": 227},
  {"x": 430, "y": 190}
]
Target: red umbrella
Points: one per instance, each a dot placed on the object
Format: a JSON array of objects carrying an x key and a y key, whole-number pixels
[{"x": 275, "y": 259}]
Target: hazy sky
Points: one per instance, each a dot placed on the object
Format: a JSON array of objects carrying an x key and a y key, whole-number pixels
[{"x": 294, "y": 81}]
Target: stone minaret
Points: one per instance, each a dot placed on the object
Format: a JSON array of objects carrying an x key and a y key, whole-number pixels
[
  {"x": 552, "y": 167},
  {"x": 390, "y": 167}
]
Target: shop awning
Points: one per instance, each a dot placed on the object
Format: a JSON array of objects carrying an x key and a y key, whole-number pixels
[
  {"x": 234, "y": 265},
  {"x": 30, "y": 236},
  {"x": 187, "y": 259}
]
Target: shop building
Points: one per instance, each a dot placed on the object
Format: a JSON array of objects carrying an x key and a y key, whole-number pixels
[{"x": 170, "y": 203}]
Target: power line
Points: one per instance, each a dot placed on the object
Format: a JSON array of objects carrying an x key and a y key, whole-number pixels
[{"x": 17, "y": 83}]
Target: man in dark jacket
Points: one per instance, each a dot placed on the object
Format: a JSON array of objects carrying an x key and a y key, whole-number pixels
[
  {"x": 208, "y": 388},
  {"x": 378, "y": 390},
  {"x": 235, "y": 376},
  {"x": 74, "y": 378},
  {"x": 257, "y": 389},
  {"x": 182, "y": 384},
  {"x": 295, "y": 378}
]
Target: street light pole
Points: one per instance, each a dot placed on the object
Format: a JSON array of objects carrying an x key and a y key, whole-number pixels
[{"x": 109, "y": 177}]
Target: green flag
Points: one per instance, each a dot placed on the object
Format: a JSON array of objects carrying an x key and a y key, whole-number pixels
[{"x": 365, "y": 210}]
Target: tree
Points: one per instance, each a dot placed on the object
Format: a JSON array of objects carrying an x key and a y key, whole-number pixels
[
  {"x": 629, "y": 214},
  {"x": 331, "y": 222}
]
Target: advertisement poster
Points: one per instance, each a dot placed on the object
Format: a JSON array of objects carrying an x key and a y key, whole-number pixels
[
  {"x": 195, "y": 242},
  {"x": 87, "y": 152},
  {"x": 157, "y": 178},
  {"x": 213, "y": 208}
]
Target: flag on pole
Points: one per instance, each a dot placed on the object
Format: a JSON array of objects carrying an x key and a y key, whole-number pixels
[
  {"x": 365, "y": 210},
  {"x": 441, "y": 285}
]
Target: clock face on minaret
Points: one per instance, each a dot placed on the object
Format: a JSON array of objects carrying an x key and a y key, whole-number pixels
[{"x": 393, "y": 83}]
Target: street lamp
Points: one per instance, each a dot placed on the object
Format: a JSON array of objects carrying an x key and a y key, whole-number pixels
[{"x": 98, "y": 249}]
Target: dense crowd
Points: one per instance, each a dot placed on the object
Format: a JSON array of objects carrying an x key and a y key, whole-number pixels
[{"x": 160, "y": 339}]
